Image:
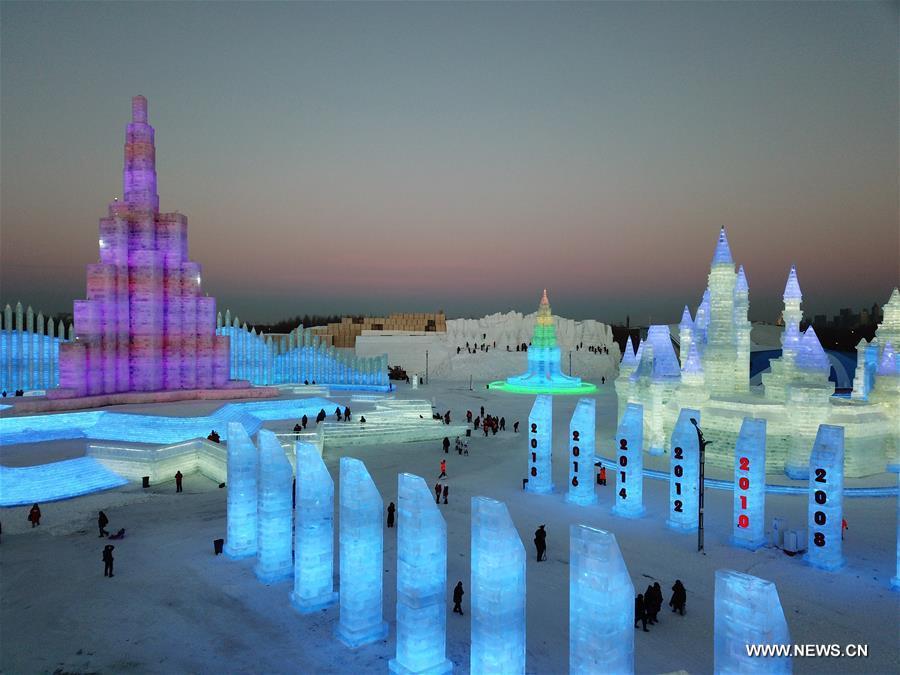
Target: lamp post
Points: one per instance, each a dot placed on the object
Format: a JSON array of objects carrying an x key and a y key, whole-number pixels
[
  {"x": 702, "y": 443},
  {"x": 426, "y": 366},
  {"x": 570, "y": 362}
]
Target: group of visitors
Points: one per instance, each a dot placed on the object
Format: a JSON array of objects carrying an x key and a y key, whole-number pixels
[
  {"x": 19, "y": 392},
  {"x": 648, "y": 604}
]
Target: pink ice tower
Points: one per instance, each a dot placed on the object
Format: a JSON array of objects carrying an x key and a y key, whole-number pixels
[{"x": 145, "y": 325}]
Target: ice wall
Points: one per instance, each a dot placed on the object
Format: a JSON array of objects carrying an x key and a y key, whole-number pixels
[
  {"x": 273, "y": 556},
  {"x": 581, "y": 453},
  {"x": 498, "y": 591},
  {"x": 684, "y": 473},
  {"x": 421, "y": 581},
  {"x": 747, "y": 612},
  {"x": 313, "y": 532},
  {"x": 630, "y": 463},
  {"x": 826, "y": 498},
  {"x": 749, "y": 529},
  {"x": 242, "y": 467},
  {"x": 601, "y": 604},
  {"x": 540, "y": 445}
]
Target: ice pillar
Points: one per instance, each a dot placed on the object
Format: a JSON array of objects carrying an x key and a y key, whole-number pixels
[
  {"x": 243, "y": 465},
  {"x": 362, "y": 556},
  {"x": 540, "y": 441},
  {"x": 630, "y": 460},
  {"x": 826, "y": 497},
  {"x": 895, "y": 582},
  {"x": 750, "y": 485},
  {"x": 498, "y": 591},
  {"x": 684, "y": 473},
  {"x": 421, "y": 582},
  {"x": 747, "y": 612},
  {"x": 273, "y": 557},
  {"x": 313, "y": 532},
  {"x": 601, "y": 604},
  {"x": 581, "y": 453}
]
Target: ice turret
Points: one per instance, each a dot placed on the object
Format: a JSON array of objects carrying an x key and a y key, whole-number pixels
[
  {"x": 810, "y": 355},
  {"x": 792, "y": 287},
  {"x": 722, "y": 255},
  {"x": 685, "y": 334},
  {"x": 888, "y": 366},
  {"x": 741, "y": 285}
]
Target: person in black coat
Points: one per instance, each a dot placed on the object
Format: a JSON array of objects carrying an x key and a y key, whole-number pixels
[
  {"x": 108, "y": 560},
  {"x": 650, "y": 604},
  {"x": 390, "y": 516},
  {"x": 102, "y": 522},
  {"x": 304, "y": 421},
  {"x": 458, "y": 592},
  {"x": 446, "y": 444},
  {"x": 657, "y": 601},
  {"x": 679, "y": 597},
  {"x": 346, "y": 413},
  {"x": 640, "y": 612},
  {"x": 540, "y": 543}
]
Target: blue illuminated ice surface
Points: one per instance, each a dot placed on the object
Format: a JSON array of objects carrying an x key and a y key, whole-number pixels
[
  {"x": 826, "y": 498},
  {"x": 57, "y": 480},
  {"x": 243, "y": 468},
  {"x": 684, "y": 473},
  {"x": 581, "y": 453},
  {"x": 498, "y": 591},
  {"x": 747, "y": 612},
  {"x": 540, "y": 445},
  {"x": 273, "y": 556},
  {"x": 749, "y": 528},
  {"x": 630, "y": 463},
  {"x": 601, "y": 604}
]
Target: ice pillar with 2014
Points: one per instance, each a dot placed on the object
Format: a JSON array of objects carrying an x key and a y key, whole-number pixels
[
  {"x": 243, "y": 466},
  {"x": 749, "y": 529},
  {"x": 581, "y": 453},
  {"x": 601, "y": 604},
  {"x": 313, "y": 533},
  {"x": 684, "y": 473},
  {"x": 630, "y": 463},
  {"x": 826, "y": 499},
  {"x": 421, "y": 582},
  {"x": 747, "y": 612},
  {"x": 540, "y": 445},
  {"x": 273, "y": 557},
  {"x": 498, "y": 591},
  {"x": 361, "y": 557}
]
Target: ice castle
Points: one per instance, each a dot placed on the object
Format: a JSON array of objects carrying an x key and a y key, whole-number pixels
[
  {"x": 544, "y": 375},
  {"x": 713, "y": 377}
]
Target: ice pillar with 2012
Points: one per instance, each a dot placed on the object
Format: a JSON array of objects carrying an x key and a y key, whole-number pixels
[
  {"x": 684, "y": 473},
  {"x": 313, "y": 533},
  {"x": 540, "y": 445},
  {"x": 747, "y": 612},
  {"x": 498, "y": 591},
  {"x": 601, "y": 604},
  {"x": 421, "y": 582},
  {"x": 273, "y": 557},
  {"x": 826, "y": 499},
  {"x": 243, "y": 466},
  {"x": 748, "y": 523},
  {"x": 361, "y": 557},
  {"x": 630, "y": 463},
  {"x": 581, "y": 453}
]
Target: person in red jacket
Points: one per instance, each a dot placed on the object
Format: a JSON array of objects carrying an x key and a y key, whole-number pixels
[
  {"x": 443, "y": 469},
  {"x": 34, "y": 516}
]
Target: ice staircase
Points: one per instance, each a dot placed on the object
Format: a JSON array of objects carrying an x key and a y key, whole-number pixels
[
  {"x": 51, "y": 482},
  {"x": 391, "y": 421}
]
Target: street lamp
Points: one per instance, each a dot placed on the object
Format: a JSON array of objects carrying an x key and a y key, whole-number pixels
[{"x": 702, "y": 443}]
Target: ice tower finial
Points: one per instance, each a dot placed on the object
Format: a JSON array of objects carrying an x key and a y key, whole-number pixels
[
  {"x": 722, "y": 256},
  {"x": 741, "y": 285},
  {"x": 686, "y": 319},
  {"x": 544, "y": 300},
  {"x": 810, "y": 355},
  {"x": 792, "y": 287},
  {"x": 138, "y": 109},
  {"x": 693, "y": 363}
]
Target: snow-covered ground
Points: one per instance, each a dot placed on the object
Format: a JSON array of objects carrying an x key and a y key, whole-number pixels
[{"x": 174, "y": 607}]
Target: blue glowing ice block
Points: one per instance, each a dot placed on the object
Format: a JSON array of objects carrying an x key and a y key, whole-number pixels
[
  {"x": 684, "y": 473},
  {"x": 895, "y": 582},
  {"x": 630, "y": 463},
  {"x": 581, "y": 453},
  {"x": 749, "y": 530},
  {"x": 243, "y": 465},
  {"x": 273, "y": 557},
  {"x": 747, "y": 612},
  {"x": 421, "y": 581},
  {"x": 540, "y": 445},
  {"x": 498, "y": 591},
  {"x": 826, "y": 498},
  {"x": 601, "y": 604},
  {"x": 313, "y": 532},
  {"x": 362, "y": 557}
]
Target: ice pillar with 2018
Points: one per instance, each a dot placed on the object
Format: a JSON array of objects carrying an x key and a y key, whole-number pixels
[
  {"x": 826, "y": 498},
  {"x": 313, "y": 533},
  {"x": 747, "y": 612},
  {"x": 361, "y": 557},
  {"x": 749, "y": 530},
  {"x": 684, "y": 473},
  {"x": 630, "y": 463},
  {"x": 581, "y": 453},
  {"x": 498, "y": 591},
  {"x": 540, "y": 445},
  {"x": 601, "y": 604},
  {"x": 421, "y": 582},
  {"x": 243, "y": 465},
  {"x": 273, "y": 557}
]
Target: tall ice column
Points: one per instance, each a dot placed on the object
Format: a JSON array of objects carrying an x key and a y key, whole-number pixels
[
  {"x": 630, "y": 463},
  {"x": 684, "y": 473},
  {"x": 243, "y": 467},
  {"x": 273, "y": 557},
  {"x": 826, "y": 499},
  {"x": 581, "y": 453},
  {"x": 540, "y": 445},
  {"x": 748, "y": 522}
]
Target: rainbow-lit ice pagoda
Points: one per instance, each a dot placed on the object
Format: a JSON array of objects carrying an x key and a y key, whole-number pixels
[{"x": 544, "y": 375}]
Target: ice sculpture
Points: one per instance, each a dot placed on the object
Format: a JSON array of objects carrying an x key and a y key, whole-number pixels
[
  {"x": 895, "y": 582},
  {"x": 242, "y": 467},
  {"x": 747, "y": 612},
  {"x": 273, "y": 556},
  {"x": 313, "y": 532},
  {"x": 540, "y": 445},
  {"x": 29, "y": 350},
  {"x": 656, "y": 378},
  {"x": 601, "y": 604},
  {"x": 826, "y": 499},
  {"x": 421, "y": 581},
  {"x": 362, "y": 557},
  {"x": 581, "y": 453},
  {"x": 630, "y": 459},
  {"x": 684, "y": 473},
  {"x": 145, "y": 325},
  {"x": 750, "y": 485},
  {"x": 544, "y": 373},
  {"x": 498, "y": 591}
]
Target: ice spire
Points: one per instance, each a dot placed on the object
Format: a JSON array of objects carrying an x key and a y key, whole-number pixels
[
  {"x": 792, "y": 287},
  {"x": 686, "y": 320},
  {"x": 810, "y": 355},
  {"x": 628, "y": 357},
  {"x": 722, "y": 256},
  {"x": 888, "y": 365},
  {"x": 693, "y": 363},
  {"x": 139, "y": 173},
  {"x": 741, "y": 286}
]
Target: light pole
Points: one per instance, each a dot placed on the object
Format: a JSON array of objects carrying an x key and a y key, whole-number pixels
[
  {"x": 570, "y": 363},
  {"x": 702, "y": 443},
  {"x": 426, "y": 366}
]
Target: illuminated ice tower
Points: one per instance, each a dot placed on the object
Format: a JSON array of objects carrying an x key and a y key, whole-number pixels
[
  {"x": 782, "y": 369},
  {"x": 145, "y": 326},
  {"x": 720, "y": 354}
]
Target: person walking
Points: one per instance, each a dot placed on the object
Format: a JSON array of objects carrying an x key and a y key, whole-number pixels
[
  {"x": 34, "y": 516},
  {"x": 304, "y": 421},
  {"x": 844, "y": 527},
  {"x": 679, "y": 597},
  {"x": 437, "y": 493},
  {"x": 446, "y": 492},
  {"x": 657, "y": 601},
  {"x": 540, "y": 543},
  {"x": 443, "y": 468},
  {"x": 515, "y": 427},
  {"x": 468, "y": 416},
  {"x": 346, "y": 413},
  {"x": 458, "y": 592},
  {"x": 390, "y": 517},
  {"x": 338, "y": 414},
  {"x": 502, "y": 424},
  {"x": 102, "y": 522},
  {"x": 601, "y": 478},
  {"x": 178, "y": 477},
  {"x": 650, "y": 604},
  {"x": 458, "y": 446},
  {"x": 108, "y": 560},
  {"x": 640, "y": 613},
  {"x": 446, "y": 444}
]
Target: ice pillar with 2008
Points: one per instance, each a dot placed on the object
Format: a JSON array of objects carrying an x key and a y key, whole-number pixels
[
  {"x": 498, "y": 591},
  {"x": 273, "y": 556},
  {"x": 421, "y": 582},
  {"x": 826, "y": 499},
  {"x": 630, "y": 463},
  {"x": 243, "y": 466},
  {"x": 540, "y": 445},
  {"x": 581, "y": 453}
]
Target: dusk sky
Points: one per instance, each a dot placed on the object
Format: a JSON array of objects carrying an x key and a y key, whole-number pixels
[{"x": 368, "y": 158}]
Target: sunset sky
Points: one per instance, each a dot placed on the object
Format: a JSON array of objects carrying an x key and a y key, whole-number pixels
[{"x": 367, "y": 158}]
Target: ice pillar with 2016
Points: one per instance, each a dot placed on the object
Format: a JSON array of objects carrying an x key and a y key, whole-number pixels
[
  {"x": 361, "y": 557},
  {"x": 630, "y": 463},
  {"x": 747, "y": 612},
  {"x": 826, "y": 498},
  {"x": 749, "y": 530},
  {"x": 313, "y": 532},
  {"x": 581, "y": 453},
  {"x": 540, "y": 445},
  {"x": 684, "y": 473},
  {"x": 601, "y": 604},
  {"x": 421, "y": 582},
  {"x": 243, "y": 466},
  {"x": 273, "y": 557},
  {"x": 498, "y": 591}
]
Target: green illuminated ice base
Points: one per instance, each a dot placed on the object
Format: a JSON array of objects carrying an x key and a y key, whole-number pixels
[{"x": 580, "y": 390}]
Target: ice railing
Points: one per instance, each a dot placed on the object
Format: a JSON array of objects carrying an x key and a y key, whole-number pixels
[{"x": 29, "y": 349}]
